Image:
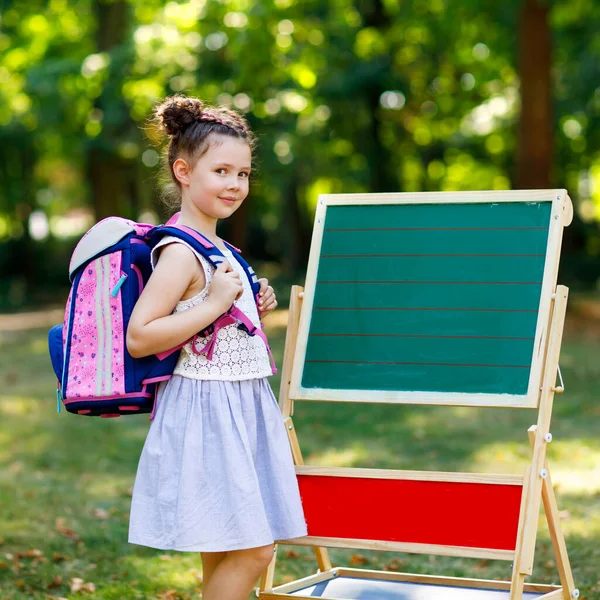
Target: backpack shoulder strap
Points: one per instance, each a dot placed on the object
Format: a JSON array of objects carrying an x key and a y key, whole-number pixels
[
  {"x": 196, "y": 240},
  {"x": 205, "y": 248},
  {"x": 254, "y": 284},
  {"x": 215, "y": 257}
]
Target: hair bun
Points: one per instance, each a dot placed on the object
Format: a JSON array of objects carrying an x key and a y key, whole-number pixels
[{"x": 177, "y": 113}]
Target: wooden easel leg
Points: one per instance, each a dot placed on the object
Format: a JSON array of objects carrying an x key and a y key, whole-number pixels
[
  {"x": 556, "y": 535},
  {"x": 518, "y": 578},
  {"x": 537, "y": 486},
  {"x": 322, "y": 555},
  {"x": 287, "y": 410},
  {"x": 547, "y": 390},
  {"x": 291, "y": 337},
  {"x": 266, "y": 579}
]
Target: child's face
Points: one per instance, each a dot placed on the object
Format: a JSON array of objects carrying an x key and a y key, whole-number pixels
[{"x": 218, "y": 183}]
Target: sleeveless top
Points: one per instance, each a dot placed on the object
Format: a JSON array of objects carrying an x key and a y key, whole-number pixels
[{"x": 237, "y": 356}]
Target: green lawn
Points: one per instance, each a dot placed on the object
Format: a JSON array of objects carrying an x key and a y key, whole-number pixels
[{"x": 65, "y": 481}]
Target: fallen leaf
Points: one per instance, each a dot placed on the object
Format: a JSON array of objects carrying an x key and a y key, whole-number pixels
[
  {"x": 168, "y": 595},
  {"x": 34, "y": 553},
  {"x": 291, "y": 554},
  {"x": 60, "y": 525},
  {"x": 358, "y": 559},
  {"x": 56, "y": 557},
  {"x": 395, "y": 564},
  {"x": 101, "y": 513},
  {"x": 55, "y": 582},
  {"x": 79, "y": 585}
]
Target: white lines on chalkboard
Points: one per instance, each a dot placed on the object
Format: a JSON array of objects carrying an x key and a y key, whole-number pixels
[
  {"x": 435, "y": 282},
  {"x": 425, "y": 255},
  {"x": 419, "y": 335},
  {"x": 437, "y": 229},
  {"x": 414, "y": 308},
  {"x": 435, "y": 364}
]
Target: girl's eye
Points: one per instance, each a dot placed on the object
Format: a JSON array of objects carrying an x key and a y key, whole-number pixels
[
  {"x": 221, "y": 170},
  {"x": 245, "y": 174}
]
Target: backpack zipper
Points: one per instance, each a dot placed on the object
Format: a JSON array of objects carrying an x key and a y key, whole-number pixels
[{"x": 118, "y": 285}]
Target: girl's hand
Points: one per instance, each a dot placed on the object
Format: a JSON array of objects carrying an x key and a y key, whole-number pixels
[
  {"x": 267, "y": 302},
  {"x": 225, "y": 286}
]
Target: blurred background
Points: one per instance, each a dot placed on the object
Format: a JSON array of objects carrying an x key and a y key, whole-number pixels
[{"x": 345, "y": 96}]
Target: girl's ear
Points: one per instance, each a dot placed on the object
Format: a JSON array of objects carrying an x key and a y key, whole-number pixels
[{"x": 181, "y": 169}]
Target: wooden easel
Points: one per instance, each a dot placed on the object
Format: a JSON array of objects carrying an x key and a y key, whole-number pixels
[{"x": 535, "y": 487}]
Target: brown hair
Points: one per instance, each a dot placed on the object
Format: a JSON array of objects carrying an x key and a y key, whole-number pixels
[{"x": 189, "y": 124}]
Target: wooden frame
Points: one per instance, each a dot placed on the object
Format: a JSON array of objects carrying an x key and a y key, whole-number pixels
[
  {"x": 561, "y": 214},
  {"x": 283, "y": 591},
  {"x": 474, "y": 480},
  {"x": 537, "y": 487}
]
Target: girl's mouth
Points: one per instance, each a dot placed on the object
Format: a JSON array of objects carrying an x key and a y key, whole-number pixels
[{"x": 228, "y": 201}]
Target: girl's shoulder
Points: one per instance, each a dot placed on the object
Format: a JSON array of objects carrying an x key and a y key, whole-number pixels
[{"x": 172, "y": 249}]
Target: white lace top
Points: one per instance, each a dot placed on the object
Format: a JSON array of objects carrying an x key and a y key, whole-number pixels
[{"x": 237, "y": 355}]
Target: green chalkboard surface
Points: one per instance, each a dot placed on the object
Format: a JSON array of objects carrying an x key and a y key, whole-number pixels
[{"x": 440, "y": 297}]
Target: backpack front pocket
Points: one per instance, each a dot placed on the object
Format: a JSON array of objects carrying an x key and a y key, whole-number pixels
[{"x": 95, "y": 337}]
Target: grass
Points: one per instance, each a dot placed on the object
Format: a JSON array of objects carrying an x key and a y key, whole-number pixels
[{"x": 65, "y": 481}]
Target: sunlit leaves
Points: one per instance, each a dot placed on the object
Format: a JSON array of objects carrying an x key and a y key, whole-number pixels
[
  {"x": 326, "y": 85},
  {"x": 369, "y": 43}
]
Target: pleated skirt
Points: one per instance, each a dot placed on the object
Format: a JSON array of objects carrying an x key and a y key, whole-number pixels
[{"x": 216, "y": 472}]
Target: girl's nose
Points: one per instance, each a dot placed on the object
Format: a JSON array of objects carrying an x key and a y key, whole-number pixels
[{"x": 233, "y": 184}]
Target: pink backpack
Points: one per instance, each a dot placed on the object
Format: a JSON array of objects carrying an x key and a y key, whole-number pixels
[{"x": 109, "y": 268}]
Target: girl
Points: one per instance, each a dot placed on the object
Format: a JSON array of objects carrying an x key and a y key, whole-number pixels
[{"x": 216, "y": 473}]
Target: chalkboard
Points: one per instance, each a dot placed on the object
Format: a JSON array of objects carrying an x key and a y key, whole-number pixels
[{"x": 440, "y": 298}]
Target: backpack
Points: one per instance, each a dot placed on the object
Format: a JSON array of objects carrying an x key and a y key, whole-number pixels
[{"x": 108, "y": 270}]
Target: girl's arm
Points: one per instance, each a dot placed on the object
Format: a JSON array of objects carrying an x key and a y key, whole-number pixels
[{"x": 152, "y": 327}]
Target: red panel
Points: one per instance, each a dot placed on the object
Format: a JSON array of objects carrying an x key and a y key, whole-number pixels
[{"x": 473, "y": 515}]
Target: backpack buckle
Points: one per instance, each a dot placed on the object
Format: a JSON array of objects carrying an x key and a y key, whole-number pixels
[{"x": 245, "y": 328}]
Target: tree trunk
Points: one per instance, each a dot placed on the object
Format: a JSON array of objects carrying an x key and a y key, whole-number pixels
[
  {"x": 106, "y": 173},
  {"x": 296, "y": 226},
  {"x": 381, "y": 176},
  {"x": 111, "y": 177},
  {"x": 26, "y": 263},
  {"x": 535, "y": 144}
]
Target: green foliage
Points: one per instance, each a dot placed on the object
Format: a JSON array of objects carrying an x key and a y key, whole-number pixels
[{"x": 346, "y": 96}]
